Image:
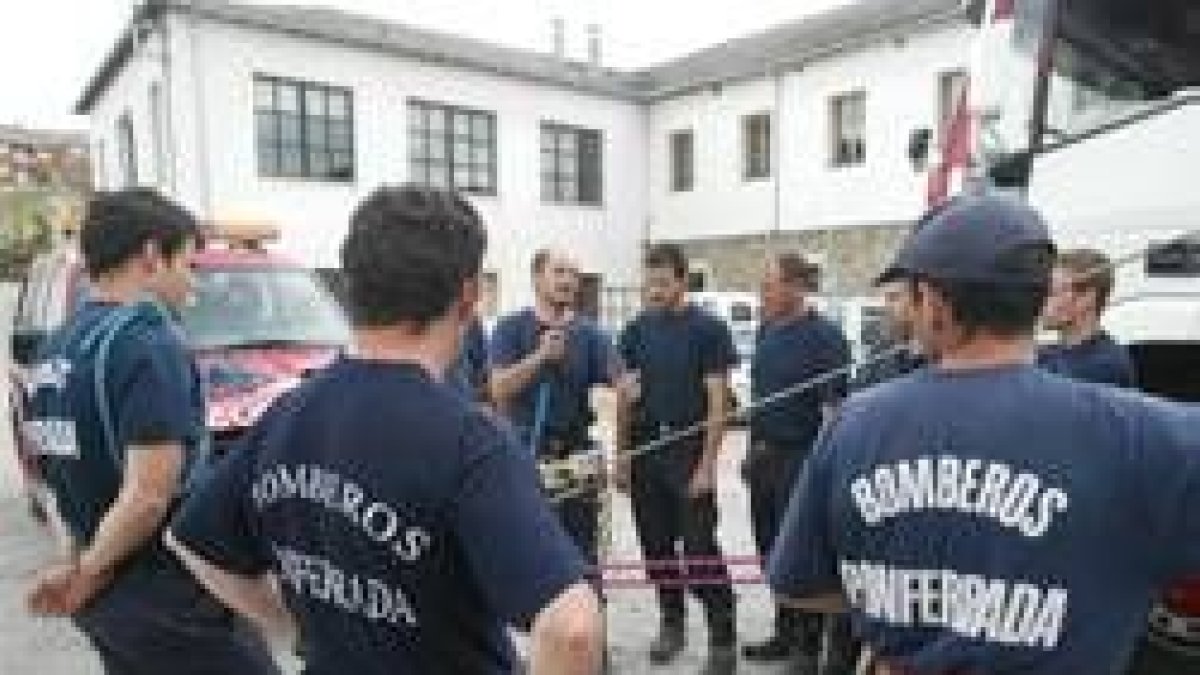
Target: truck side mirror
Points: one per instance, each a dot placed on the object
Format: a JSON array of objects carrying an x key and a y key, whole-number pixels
[
  {"x": 25, "y": 345},
  {"x": 919, "y": 142}
]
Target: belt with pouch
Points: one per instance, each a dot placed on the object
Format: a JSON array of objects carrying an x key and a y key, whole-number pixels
[{"x": 568, "y": 468}]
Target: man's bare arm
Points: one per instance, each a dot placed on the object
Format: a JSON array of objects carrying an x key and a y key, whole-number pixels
[
  {"x": 716, "y": 388},
  {"x": 256, "y": 597},
  {"x": 149, "y": 488},
  {"x": 506, "y": 383},
  {"x": 568, "y": 635}
]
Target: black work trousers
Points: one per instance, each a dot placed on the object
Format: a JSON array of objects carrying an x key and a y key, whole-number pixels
[
  {"x": 771, "y": 473},
  {"x": 678, "y": 535}
]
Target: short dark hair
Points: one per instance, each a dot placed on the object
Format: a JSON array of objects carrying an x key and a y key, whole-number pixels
[
  {"x": 797, "y": 270},
  {"x": 1092, "y": 271},
  {"x": 540, "y": 258},
  {"x": 668, "y": 256},
  {"x": 118, "y": 225},
  {"x": 1008, "y": 310},
  {"x": 409, "y": 251}
]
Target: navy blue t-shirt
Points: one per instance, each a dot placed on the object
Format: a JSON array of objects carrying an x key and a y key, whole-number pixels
[
  {"x": 405, "y": 527},
  {"x": 673, "y": 352},
  {"x": 786, "y": 354},
  {"x": 997, "y": 521},
  {"x": 469, "y": 373},
  {"x": 151, "y": 392},
  {"x": 1098, "y": 359},
  {"x": 897, "y": 363},
  {"x": 590, "y": 362}
]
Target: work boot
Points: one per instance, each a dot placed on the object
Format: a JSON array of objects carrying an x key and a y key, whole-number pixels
[
  {"x": 670, "y": 643},
  {"x": 722, "y": 660},
  {"x": 777, "y": 648}
]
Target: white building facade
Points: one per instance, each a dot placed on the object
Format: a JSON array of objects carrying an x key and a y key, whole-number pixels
[{"x": 798, "y": 137}]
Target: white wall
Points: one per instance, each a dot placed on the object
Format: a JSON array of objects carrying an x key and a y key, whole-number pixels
[
  {"x": 901, "y": 82},
  {"x": 313, "y": 214},
  {"x": 129, "y": 94},
  {"x": 721, "y": 201}
]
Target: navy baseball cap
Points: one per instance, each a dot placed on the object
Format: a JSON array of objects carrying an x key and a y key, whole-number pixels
[{"x": 989, "y": 238}]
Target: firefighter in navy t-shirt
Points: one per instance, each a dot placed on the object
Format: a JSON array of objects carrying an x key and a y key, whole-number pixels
[
  {"x": 405, "y": 528},
  {"x": 1079, "y": 291},
  {"x": 117, "y": 415},
  {"x": 982, "y": 515},
  {"x": 899, "y": 354},
  {"x": 795, "y": 345},
  {"x": 680, "y": 356},
  {"x": 546, "y": 361}
]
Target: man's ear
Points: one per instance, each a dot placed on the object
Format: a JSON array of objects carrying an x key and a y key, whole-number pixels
[
  {"x": 468, "y": 303},
  {"x": 151, "y": 258}
]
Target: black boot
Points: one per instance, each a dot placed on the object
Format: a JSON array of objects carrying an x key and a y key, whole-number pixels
[
  {"x": 722, "y": 638},
  {"x": 779, "y": 647},
  {"x": 722, "y": 660},
  {"x": 670, "y": 643}
]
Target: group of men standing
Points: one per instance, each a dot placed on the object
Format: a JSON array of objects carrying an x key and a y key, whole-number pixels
[{"x": 950, "y": 513}]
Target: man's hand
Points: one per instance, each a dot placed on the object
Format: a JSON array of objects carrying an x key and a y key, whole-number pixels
[
  {"x": 552, "y": 346},
  {"x": 704, "y": 479},
  {"x": 64, "y": 589}
]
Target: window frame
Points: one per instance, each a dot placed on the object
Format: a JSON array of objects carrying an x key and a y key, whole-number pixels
[
  {"x": 127, "y": 150},
  {"x": 557, "y": 177},
  {"x": 841, "y": 154},
  {"x": 757, "y": 166},
  {"x": 422, "y": 163},
  {"x": 305, "y": 122},
  {"x": 682, "y": 174}
]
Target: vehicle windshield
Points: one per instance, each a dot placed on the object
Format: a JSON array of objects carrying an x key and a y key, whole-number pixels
[
  {"x": 1117, "y": 59},
  {"x": 1114, "y": 62},
  {"x": 262, "y": 307}
]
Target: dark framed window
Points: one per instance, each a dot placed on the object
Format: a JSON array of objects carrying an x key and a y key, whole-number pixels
[
  {"x": 683, "y": 155},
  {"x": 303, "y": 129},
  {"x": 849, "y": 129},
  {"x": 451, "y": 147},
  {"x": 756, "y": 146},
  {"x": 127, "y": 151},
  {"x": 572, "y": 165}
]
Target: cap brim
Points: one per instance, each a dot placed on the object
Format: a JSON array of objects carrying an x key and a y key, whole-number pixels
[{"x": 891, "y": 274}]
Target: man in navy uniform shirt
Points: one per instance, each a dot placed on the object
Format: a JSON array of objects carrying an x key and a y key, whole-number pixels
[
  {"x": 982, "y": 515},
  {"x": 681, "y": 357},
  {"x": 795, "y": 344},
  {"x": 470, "y": 370},
  {"x": 1079, "y": 292},
  {"x": 547, "y": 360},
  {"x": 404, "y": 526},
  {"x": 902, "y": 355},
  {"x": 118, "y": 417}
]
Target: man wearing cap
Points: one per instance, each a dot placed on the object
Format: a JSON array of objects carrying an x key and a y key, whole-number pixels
[
  {"x": 982, "y": 515},
  {"x": 901, "y": 353},
  {"x": 795, "y": 345},
  {"x": 1079, "y": 291}
]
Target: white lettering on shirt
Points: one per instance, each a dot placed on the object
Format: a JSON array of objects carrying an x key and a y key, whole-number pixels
[
  {"x": 997, "y": 611},
  {"x": 319, "y": 579},
  {"x": 378, "y": 520},
  {"x": 1019, "y": 501}
]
